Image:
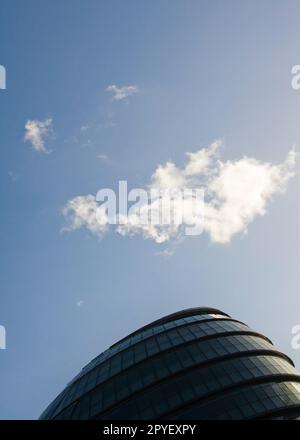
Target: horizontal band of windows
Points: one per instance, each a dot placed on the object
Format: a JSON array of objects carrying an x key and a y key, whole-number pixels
[
  {"x": 174, "y": 317},
  {"x": 180, "y": 373},
  {"x": 246, "y": 408},
  {"x": 102, "y": 372},
  {"x": 114, "y": 356},
  {"x": 150, "y": 373},
  {"x": 194, "y": 384},
  {"x": 99, "y": 360},
  {"x": 177, "y": 359},
  {"x": 291, "y": 413},
  {"x": 147, "y": 334},
  {"x": 248, "y": 401},
  {"x": 128, "y": 359},
  {"x": 109, "y": 353},
  {"x": 52, "y": 408}
]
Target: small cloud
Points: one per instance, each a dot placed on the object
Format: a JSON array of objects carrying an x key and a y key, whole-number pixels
[
  {"x": 87, "y": 143},
  {"x": 79, "y": 303},
  {"x": 166, "y": 253},
  {"x": 84, "y": 127},
  {"x": 119, "y": 93},
  {"x": 104, "y": 158},
  {"x": 107, "y": 124},
  {"x": 13, "y": 176},
  {"x": 36, "y": 132},
  {"x": 170, "y": 250}
]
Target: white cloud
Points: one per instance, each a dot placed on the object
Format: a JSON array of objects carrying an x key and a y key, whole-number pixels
[
  {"x": 79, "y": 303},
  {"x": 81, "y": 212},
  {"x": 36, "y": 132},
  {"x": 104, "y": 158},
  {"x": 240, "y": 192},
  {"x": 200, "y": 162},
  {"x": 119, "y": 93},
  {"x": 236, "y": 192},
  {"x": 167, "y": 176}
]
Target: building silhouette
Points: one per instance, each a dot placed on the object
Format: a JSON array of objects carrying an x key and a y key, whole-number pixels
[{"x": 196, "y": 364}]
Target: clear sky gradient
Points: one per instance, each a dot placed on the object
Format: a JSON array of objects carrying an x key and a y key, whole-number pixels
[{"x": 204, "y": 70}]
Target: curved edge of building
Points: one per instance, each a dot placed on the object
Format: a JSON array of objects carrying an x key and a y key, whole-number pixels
[{"x": 198, "y": 363}]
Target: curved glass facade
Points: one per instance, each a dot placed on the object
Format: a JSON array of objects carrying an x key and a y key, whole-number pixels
[{"x": 194, "y": 364}]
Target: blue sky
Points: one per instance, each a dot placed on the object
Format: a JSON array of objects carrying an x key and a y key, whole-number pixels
[{"x": 204, "y": 70}]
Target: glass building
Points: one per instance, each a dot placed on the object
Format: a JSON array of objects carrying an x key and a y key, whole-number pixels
[{"x": 196, "y": 364}]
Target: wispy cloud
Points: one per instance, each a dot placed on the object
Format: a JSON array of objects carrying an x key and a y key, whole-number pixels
[
  {"x": 104, "y": 158},
  {"x": 236, "y": 192},
  {"x": 81, "y": 212},
  {"x": 119, "y": 93},
  {"x": 13, "y": 176},
  {"x": 79, "y": 303},
  {"x": 36, "y": 132}
]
